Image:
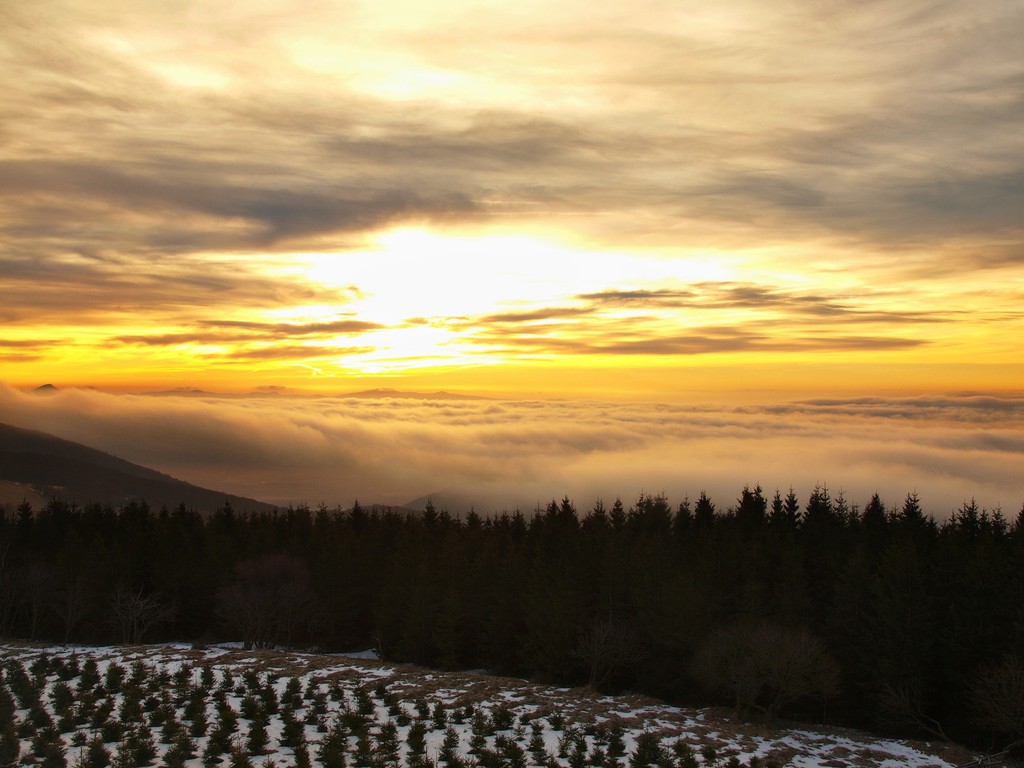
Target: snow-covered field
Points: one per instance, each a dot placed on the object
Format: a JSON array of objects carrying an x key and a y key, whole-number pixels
[{"x": 179, "y": 706}]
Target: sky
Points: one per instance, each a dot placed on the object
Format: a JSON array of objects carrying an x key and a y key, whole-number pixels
[{"x": 652, "y": 204}]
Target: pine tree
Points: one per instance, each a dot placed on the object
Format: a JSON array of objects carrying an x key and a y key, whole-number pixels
[
  {"x": 791, "y": 510},
  {"x": 704, "y": 513},
  {"x": 113, "y": 679},
  {"x": 145, "y": 748},
  {"x": 239, "y": 758},
  {"x": 53, "y": 755},
  {"x": 386, "y": 752},
  {"x": 124, "y": 754},
  {"x": 10, "y": 744},
  {"x": 171, "y": 726},
  {"x": 364, "y": 751},
  {"x": 212, "y": 753},
  {"x": 256, "y": 743},
  {"x": 440, "y": 717},
  {"x": 415, "y": 740},
  {"x": 292, "y": 694},
  {"x": 536, "y": 745},
  {"x": 648, "y": 751},
  {"x": 302, "y": 756},
  {"x": 449, "y": 753},
  {"x": 616, "y": 743},
  {"x": 333, "y": 747},
  {"x": 97, "y": 755},
  {"x": 684, "y": 754}
]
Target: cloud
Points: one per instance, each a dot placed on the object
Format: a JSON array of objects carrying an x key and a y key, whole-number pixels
[
  {"x": 509, "y": 454},
  {"x": 293, "y": 352},
  {"x": 732, "y": 295},
  {"x": 234, "y": 331},
  {"x": 835, "y": 132},
  {"x": 158, "y": 168},
  {"x": 642, "y": 336}
]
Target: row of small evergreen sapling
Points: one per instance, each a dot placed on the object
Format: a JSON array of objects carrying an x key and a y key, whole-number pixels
[{"x": 72, "y": 716}]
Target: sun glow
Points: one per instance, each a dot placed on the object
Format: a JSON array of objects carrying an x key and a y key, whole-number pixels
[
  {"x": 415, "y": 273},
  {"x": 430, "y": 293}
]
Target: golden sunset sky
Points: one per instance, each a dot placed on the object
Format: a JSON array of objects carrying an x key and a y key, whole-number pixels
[
  {"x": 634, "y": 202},
  {"x": 616, "y": 198}
]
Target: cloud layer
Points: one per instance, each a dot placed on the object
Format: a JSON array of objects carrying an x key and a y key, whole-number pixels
[
  {"x": 216, "y": 126},
  {"x": 160, "y": 169},
  {"x": 515, "y": 454}
]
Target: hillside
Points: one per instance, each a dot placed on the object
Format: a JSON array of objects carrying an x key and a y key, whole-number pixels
[
  {"x": 51, "y": 466},
  {"x": 221, "y": 707}
]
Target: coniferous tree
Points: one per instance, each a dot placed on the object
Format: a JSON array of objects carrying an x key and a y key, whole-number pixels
[
  {"x": 256, "y": 741},
  {"x": 648, "y": 751},
  {"x": 238, "y": 757},
  {"x": 124, "y": 753},
  {"x": 301, "y": 753},
  {"x": 97, "y": 755},
  {"x": 54, "y": 755},
  {"x": 439, "y": 717},
  {"x": 415, "y": 739},
  {"x": 144, "y": 746},
  {"x": 363, "y": 757},
  {"x": 10, "y": 744},
  {"x": 704, "y": 513},
  {"x": 386, "y": 752},
  {"x": 448, "y": 755},
  {"x": 334, "y": 747}
]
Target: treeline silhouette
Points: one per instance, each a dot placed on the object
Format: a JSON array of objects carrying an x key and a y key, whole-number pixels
[{"x": 878, "y": 617}]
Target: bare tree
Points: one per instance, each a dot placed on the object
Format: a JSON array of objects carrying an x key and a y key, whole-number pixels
[
  {"x": 765, "y": 667},
  {"x": 38, "y": 582},
  {"x": 10, "y": 595},
  {"x": 135, "y": 613},
  {"x": 70, "y": 604},
  {"x": 901, "y": 705},
  {"x": 606, "y": 647},
  {"x": 997, "y": 698},
  {"x": 269, "y": 599}
]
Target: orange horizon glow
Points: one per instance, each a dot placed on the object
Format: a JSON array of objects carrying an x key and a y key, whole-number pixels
[{"x": 417, "y": 308}]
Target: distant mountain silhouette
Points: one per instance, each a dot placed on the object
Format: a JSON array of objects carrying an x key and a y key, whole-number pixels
[
  {"x": 60, "y": 468},
  {"x": 397, "y": 393}
]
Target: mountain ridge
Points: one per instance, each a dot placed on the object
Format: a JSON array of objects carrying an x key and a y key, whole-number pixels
[{"x": 54, "y": 467}]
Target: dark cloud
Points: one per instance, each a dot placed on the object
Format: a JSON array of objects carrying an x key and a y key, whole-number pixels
[
  {"x": 296, "y": 329},
  {"x": 49, "y": 287},
  {"x": 913, "y": 144},
  {"x": 657, "y": 297},
  {"x": 536, "y": 315},
  {"x": 701, "y": 341},
  {"x": 26, "y": 343},
  {"x": 297, "y": 352},
  {"x": 256, "y": 340},
  {"x": 727, "y": 296},
  {"x": 271, "y": 204},
  {"x": 647, "y": 322}
]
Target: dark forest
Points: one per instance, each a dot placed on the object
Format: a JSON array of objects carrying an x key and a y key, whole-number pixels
[{"x": 878, "y": 617}]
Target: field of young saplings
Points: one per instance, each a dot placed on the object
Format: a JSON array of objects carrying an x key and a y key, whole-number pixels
[{"x": 181, "y": 707}]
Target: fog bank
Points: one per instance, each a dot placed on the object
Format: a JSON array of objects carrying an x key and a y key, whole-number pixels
[{"x": 502, "y": 455}]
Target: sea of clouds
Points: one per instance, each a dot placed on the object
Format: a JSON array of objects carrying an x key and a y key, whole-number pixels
[{"x": 502, "y": 454}]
